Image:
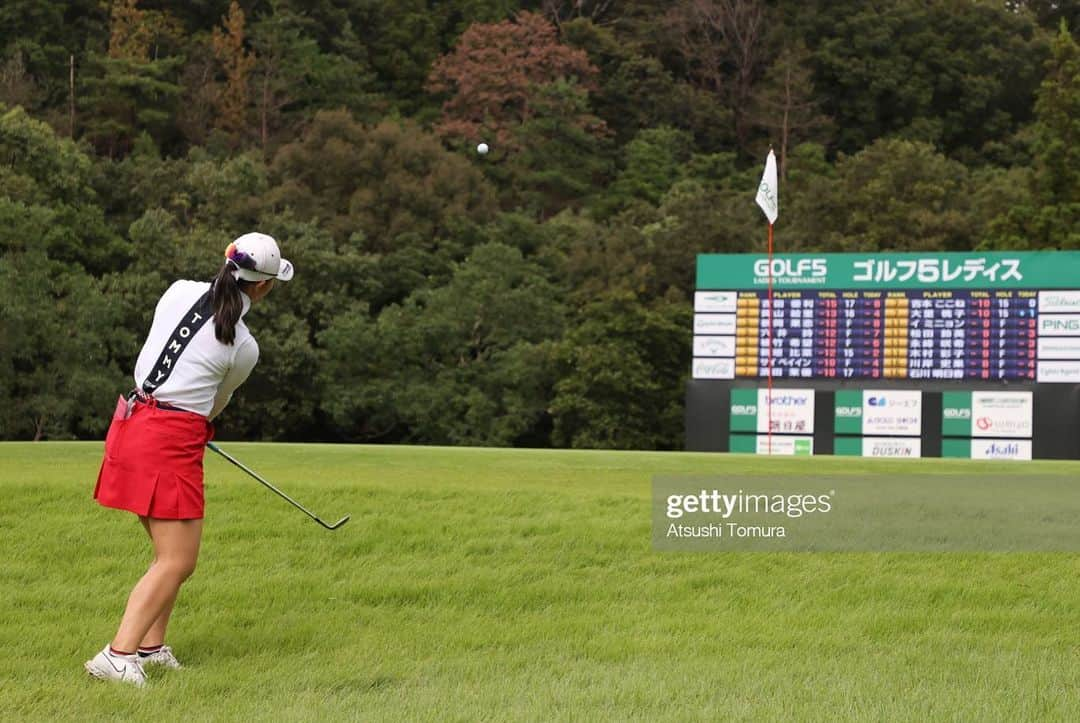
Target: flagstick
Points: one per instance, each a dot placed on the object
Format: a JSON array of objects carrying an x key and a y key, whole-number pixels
[{"x": 769, "y": 372}]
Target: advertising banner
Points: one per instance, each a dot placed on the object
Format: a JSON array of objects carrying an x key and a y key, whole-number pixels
[
  {"x": 892, "y": 412},
  {"x": 781, "y": 444},
  {"x": 714, "y": 368},
  {"x": 881, "y": 447},
  {"x": 1058, "y": 371},
  {"x": 956, "y": 414},
  {"x": 878, "y": 412},
  {"x": 849, "y": 411},
  {"x": 1056, "y": 302},
  {"x": 1001, "y": 414},
  {"x": 715, "y": 301},
  {"x": 714, "y": 323},
  {"x": 1004, "y": 449},
  {"x": 714, "y": 346},
  {"x": 1059, "y": 347},
  {"x": 792, "y": 411}
]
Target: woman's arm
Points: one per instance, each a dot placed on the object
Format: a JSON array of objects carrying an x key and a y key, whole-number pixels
[{"x": 244, "y": 361}]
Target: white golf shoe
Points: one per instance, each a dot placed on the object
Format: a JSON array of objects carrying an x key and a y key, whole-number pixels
[
  {"x": 124, "y": 668},
  {"x": 163, "y": 657}
]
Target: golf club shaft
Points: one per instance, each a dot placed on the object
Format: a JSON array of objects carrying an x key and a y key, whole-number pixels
[{"x": 271, "y": 487}]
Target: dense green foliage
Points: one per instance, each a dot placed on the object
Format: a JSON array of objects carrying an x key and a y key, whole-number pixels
[{"x": 538, "y": 295}]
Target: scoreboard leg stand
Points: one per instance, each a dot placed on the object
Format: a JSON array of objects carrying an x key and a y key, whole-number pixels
[
  {"x": 708, "y": 415},
  {"x": 1055, "y": 416},
  {"x": 1056, "y": 433}
]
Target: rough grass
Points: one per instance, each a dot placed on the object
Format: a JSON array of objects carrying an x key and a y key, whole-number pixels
[{"x": 513, "y": 585}]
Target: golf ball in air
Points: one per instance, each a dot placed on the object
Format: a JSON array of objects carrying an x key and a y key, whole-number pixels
[{"x": 482, "y": 148}]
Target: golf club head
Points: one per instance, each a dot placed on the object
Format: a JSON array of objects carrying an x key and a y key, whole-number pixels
[{"x": 334, "y": 526}]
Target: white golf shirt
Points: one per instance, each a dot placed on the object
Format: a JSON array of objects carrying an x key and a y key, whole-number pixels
[{"x": 207, "y": 372}]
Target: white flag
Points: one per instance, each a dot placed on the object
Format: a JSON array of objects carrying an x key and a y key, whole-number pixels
[{"x": 768, "y": 193}]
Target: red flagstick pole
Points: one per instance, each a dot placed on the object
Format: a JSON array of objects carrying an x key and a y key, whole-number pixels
[{"x": 769, "y": 357}]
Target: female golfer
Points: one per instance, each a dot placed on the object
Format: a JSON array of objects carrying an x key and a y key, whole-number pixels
[{"x": 198, "y": 352}]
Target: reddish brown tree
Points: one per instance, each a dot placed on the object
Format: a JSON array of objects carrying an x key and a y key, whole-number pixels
[
  {"x": 228, "y": 44},
  {"x": 496, "y": 72},
  {"x": 722, "y": 43},
  {"x": 129, "y": 32}
]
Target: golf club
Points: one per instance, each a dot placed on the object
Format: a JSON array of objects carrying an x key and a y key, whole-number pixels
[{"x": 293, "y": 502}]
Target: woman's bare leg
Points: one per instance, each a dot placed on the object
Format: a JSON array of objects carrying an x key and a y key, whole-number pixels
[{"x": 176, "y": 550}]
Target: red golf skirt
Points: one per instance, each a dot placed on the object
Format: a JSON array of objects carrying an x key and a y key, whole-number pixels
[{"x": 153, "y": 463}]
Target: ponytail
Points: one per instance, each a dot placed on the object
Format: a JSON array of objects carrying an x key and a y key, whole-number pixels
[{"x": 227, "y": 302}]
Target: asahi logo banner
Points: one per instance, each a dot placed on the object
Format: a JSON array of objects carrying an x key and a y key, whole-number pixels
[{"x": 1001, "y": 449}]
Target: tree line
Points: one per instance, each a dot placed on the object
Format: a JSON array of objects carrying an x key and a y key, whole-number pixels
[{"x": 538, "y": 295}]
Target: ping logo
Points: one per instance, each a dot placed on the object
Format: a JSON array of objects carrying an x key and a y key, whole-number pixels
[{"x": 1059, "y": 324}]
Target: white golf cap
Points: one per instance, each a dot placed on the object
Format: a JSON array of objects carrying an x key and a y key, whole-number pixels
[{"x": 256, "y": 257}]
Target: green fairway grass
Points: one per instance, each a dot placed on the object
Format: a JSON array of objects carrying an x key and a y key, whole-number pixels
[{"x": 477, "y": 584}]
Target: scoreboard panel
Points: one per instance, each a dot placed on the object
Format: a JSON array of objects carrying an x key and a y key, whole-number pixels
[
  {"x": 952, "y": 317},
  {"x": 973, "y": 355},
  {"x": 913, "y": 334}
]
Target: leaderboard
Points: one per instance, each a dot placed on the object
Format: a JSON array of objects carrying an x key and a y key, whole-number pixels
[
  {"x": 912, "y": 334},
  {"x": 993, "y": 317}
]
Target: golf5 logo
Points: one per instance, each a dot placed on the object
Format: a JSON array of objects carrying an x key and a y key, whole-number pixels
[{"x": 792, "y": 271}]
